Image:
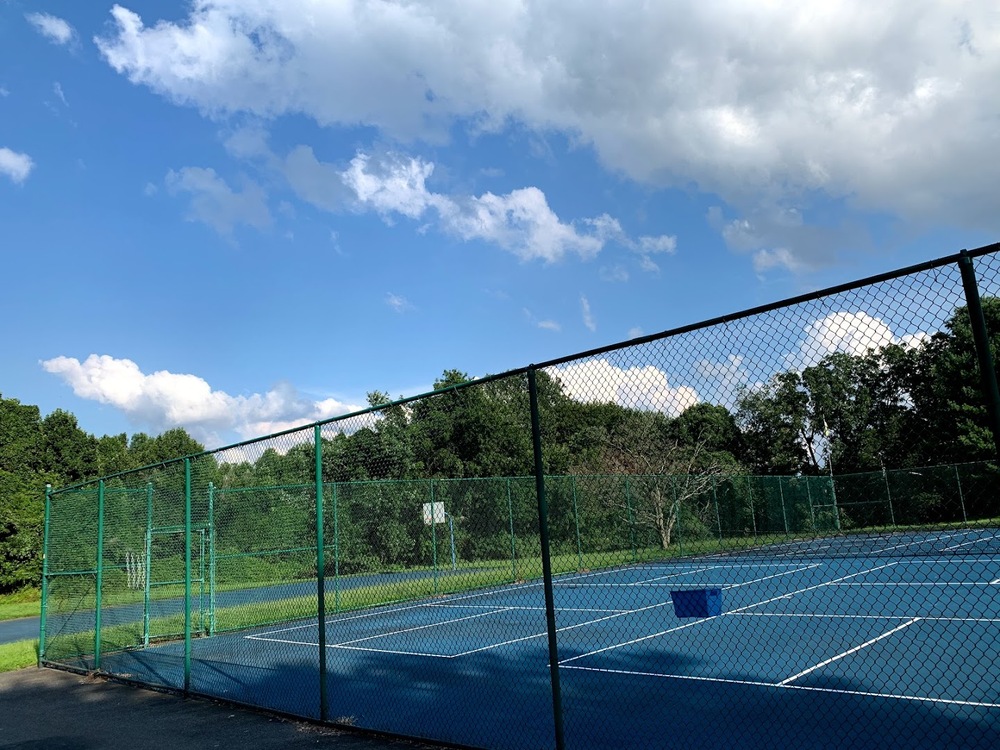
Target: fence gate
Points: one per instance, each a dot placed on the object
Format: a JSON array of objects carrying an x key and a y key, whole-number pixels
[{"x": 163, "y": 598}]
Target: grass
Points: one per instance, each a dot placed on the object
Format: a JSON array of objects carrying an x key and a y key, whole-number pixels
[
  {"x": 18, "y": 655},
  {"x": 23, "y": 603}
]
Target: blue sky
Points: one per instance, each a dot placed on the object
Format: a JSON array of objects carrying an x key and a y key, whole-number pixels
[{"x": 241, "y": 216}]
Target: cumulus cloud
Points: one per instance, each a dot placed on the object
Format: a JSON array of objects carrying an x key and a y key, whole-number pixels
[
  {"x": 394, "y": 186},
  {"x": 643, "y": 387},
  {"x": 163, "y": 399},
  {"x": 854, "y": 333},
  {"x": 53, "y": 28},
  {"x": 15, "y": 166},
  {"x": 888, "y": 106},
  {"x": 215, "y": 203}
]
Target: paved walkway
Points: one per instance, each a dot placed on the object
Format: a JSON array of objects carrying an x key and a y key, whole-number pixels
[
  {"x": 45, "y": 709},
  {"x": 22, "y": 629}
]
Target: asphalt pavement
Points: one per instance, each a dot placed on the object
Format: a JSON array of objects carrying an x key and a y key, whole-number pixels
[{"x": 46, "y": 709}]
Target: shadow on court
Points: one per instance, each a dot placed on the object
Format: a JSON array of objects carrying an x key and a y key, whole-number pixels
[
  {"x": 44, "y": 709},
  {"x": 494, "y": 701}
]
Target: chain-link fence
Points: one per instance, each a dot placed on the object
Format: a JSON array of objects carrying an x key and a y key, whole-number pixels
[{"x": 779, "y": 528}]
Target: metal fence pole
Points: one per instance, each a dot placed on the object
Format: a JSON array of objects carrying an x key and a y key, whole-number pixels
[
  {"x": 718, "y": 515},
  {"x": 211, "y": 558},
  {"x": 187, "y": 575},
  {"x": 543, "y": 528},
  {"x": 45, "y": 575},
  {"x": 784, "y": 514},
  {"x": 677, "y": 511},
  {"x": 961, "y": 495},
  {"x": 980, "y": 335},
  {"x": 320, "y": 572},
  {"x": 513, "y": 550},
  {"x": 148, "y": 564},
  {"x": 336, "y": 548},
  {"x": 99, "y": 573},
  {"x": 434, "y": 543},
  {"x": 576, "y": 521},
  {"x": 888, "y": 496},
  {"x": 631, "y": 519}
]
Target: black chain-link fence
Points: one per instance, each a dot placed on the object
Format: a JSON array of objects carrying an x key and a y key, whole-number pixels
[{"x": 776, "y": 529}]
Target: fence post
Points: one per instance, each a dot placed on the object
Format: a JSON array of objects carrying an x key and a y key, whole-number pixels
[
  {"x": 320, "y": 571},
  {"x": 543, "y": 528},
  {"x": 513, "y": 550},
  {"x": 100, "y": 574},
  {"x": 631, "y": 520},
  {"x": 812, "y": 510},
  {"x": 148, "y": 565},
  {"x": 45, "y": 576},
  {"x": 187, "y": 575},
  {"x": 961, "y": 495},
  {"x": 434, "y": 543},
  {"x": 576, "y": 519},
  {"x": 677, "y": 511},
  {"x": 211, "y": 558},
  {"x": 784, "y": 514},
  {"x": 336, "y": 546},
  {"x": 888, "y": 496},
  {"x": 980, "y": 336},
  {"x": 718, "y": 516}
]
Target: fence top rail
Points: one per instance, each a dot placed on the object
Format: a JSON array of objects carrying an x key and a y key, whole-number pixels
[{"x": 520, "y": 371}]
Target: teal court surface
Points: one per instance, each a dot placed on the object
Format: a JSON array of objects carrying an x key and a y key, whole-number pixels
[{"x": 882, "y": 642}]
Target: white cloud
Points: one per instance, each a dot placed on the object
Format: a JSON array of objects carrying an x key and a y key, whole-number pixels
[
  {"x": 53, "y": 28},
  {"x": 218, "y": 205},
  {"x": 395, "y": 186},
  {"x": 58, "y": 91},
  {"x": 14, "y": 165},
  {"x": 4, "y": 92},
  {"x": 644, "y": 387},
  {"x": 853, "y": 333},
  {"x": 634, "y": 332},
  {"x": 588, "y": 317},
  {"x": 549, "y": 325},
  {"x": 888, "y": 106},
  {"x": 397, "y": 303},
  {"x": 163, "y": 400}
]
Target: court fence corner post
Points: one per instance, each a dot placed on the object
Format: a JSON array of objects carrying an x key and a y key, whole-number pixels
[
  {"x": 320, "y": 573},
  {"x": 981, "y": 339},
  {"x": 99, "y": 573},
  {"x": 187, "y": 575},
  {"x": 43, "y": 614},
  {"x": 543, "y": 529}
]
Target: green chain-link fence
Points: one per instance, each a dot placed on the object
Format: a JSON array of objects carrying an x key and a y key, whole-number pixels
[{"x": 775, "y": 529}]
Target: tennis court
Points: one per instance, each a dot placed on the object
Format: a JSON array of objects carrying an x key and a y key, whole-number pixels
[{"x": 815, "y": 647}]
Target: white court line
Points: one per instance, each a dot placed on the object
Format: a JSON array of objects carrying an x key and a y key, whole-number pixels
[
  {"x": 995, "y": 581},
  {"x": 850, "y": 651},
  {"x": 776, "y": 575},
  {"x": 966, "y": 544},
  {"x": 565, "y": 628},
  {"x": 634, "y": 640},
  {"x": 526, "y": 609},
  {"x": 920, "y": 583},
  {"x": 757, "y": 683},
  {"x": 929, "y": 618},
  {"x": 811, "y": 588}
]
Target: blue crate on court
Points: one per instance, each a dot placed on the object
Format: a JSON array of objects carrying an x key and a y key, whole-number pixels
[{"x": 697, "y": 602}]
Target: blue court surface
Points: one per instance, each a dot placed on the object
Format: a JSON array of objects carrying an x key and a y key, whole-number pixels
[{"x": 896, "y": 649}]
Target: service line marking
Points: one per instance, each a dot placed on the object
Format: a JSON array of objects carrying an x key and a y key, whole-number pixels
[{"x": 850, "y": 651}]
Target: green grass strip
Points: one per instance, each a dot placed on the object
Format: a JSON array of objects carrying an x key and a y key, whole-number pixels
[{"x": 18, "y": 655}]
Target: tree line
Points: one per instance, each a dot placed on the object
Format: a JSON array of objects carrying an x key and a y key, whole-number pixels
[{"x": 894, "y": 407}]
